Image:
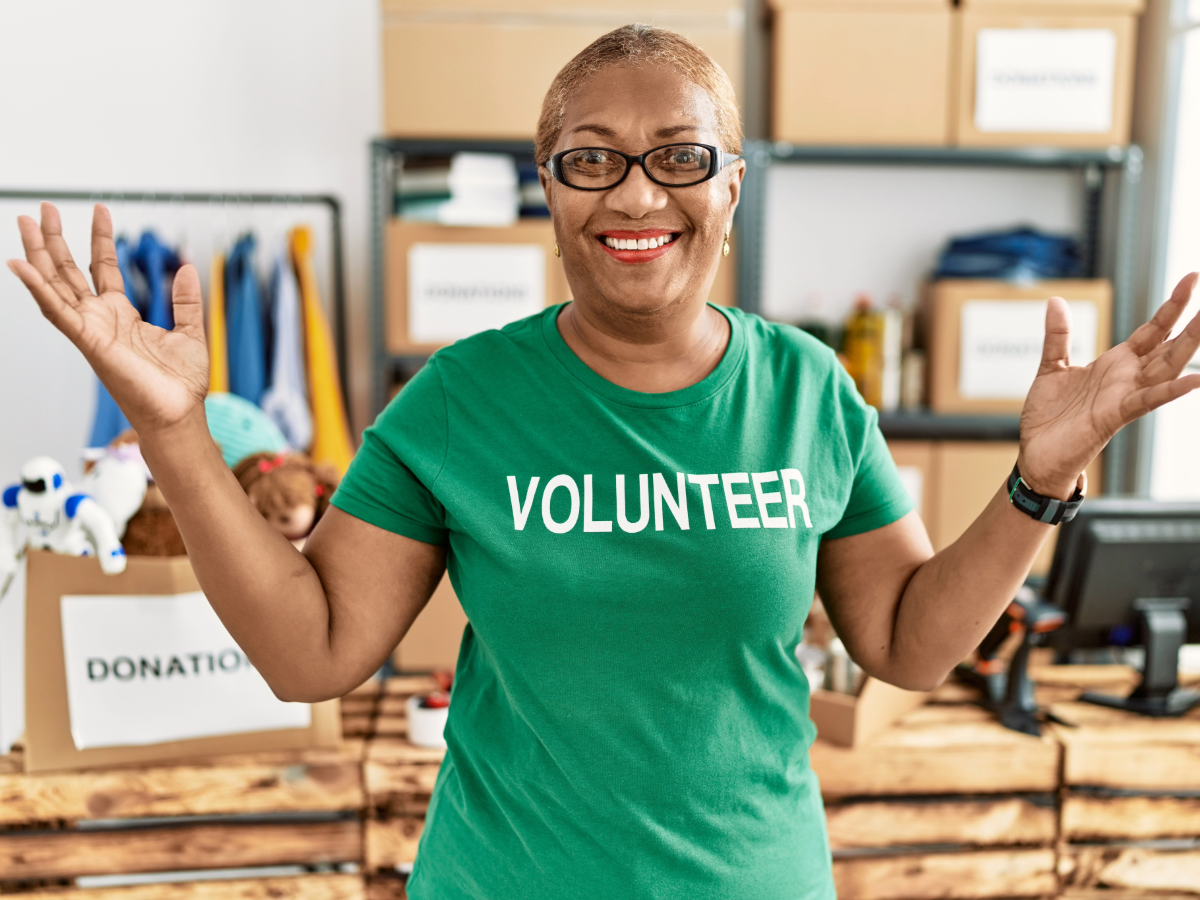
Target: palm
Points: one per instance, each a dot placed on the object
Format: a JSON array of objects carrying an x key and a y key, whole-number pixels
[
  {"x": 156, "y": 376},
  {"x": 1072, "y": 412}
]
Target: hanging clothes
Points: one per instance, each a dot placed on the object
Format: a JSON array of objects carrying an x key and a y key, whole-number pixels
[
  {"x": 109, "y": 421},
  {"x": 218, "y": 345},
  {"x": 247, "y": 362},
  {"x": 331, "y": 436},
  {"x": 286, "y": 401},
  {"x": 158, "y": 264}
]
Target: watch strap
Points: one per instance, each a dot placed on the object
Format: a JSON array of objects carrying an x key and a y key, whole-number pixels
[{"x": 1036, "y": 506}]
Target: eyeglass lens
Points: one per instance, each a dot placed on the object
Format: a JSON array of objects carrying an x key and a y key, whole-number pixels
[{"x": 595, "y": 167}]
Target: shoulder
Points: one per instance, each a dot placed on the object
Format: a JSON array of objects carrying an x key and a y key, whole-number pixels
[
  {"x": 72, "y": 504},
  {"x": 495, "y": 346},
  {"x": 786, "y": 345}
]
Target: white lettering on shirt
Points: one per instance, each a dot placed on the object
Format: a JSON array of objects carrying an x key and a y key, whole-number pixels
[
  {"x": 705, "y": 482},
  {"x": 759, "y": 479},
  {"x": 644, "y": 489},
  {"x": 796, "y": 499},
  {"x": 521, "y": 513},
  {"x": 573, "y": 489},
  {"x": 678, "y": 509},
  {"x": 733, "y": 501},
  {"x": 588, "y": 523}
]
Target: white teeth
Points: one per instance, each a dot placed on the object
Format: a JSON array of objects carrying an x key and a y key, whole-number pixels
[{"x": 638, "y": 244}]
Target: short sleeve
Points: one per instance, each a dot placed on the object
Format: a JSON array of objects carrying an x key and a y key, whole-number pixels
[
  {"x": 391, "y": 480},
  {"x": 878, "y": 497}
]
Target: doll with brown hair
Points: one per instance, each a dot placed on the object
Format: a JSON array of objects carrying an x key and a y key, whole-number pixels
[{"x": 289, "y": 489}]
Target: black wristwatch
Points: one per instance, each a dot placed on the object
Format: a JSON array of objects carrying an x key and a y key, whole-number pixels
[{"x": 1034, "y": 505}]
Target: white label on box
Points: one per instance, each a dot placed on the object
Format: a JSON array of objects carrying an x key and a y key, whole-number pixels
[
  {"x": 456, "y": 290},
  {"x": 1002, "y": 345},
  {"x": 913, "y": 480},
  {"x": 1045, "y": 80},
  {"x": 150, "y": 669}
]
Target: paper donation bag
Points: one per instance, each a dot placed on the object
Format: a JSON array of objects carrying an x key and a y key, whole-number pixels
[{"x": 137, "y": 667}]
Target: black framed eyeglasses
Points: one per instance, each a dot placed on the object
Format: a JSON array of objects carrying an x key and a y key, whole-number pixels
[{"x": 671, "y": 165}]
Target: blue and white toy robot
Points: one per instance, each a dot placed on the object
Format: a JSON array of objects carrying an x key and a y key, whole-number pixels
[{"x": 44, "y": 512}]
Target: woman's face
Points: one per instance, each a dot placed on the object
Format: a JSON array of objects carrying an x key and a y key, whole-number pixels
[{"x": 634, "y": 109}]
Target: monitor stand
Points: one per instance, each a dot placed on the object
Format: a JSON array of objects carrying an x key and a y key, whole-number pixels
[{"x": 1163, "y": 628}]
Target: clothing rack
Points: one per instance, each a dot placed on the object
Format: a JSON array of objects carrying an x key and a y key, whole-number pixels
[{"x": 337, "y": 276}]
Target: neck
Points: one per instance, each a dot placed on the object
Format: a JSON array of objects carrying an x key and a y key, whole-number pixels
[{"x": 667, "y": 350}]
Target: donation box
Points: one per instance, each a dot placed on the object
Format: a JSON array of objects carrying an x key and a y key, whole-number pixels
[{"x": 137, "y": 667}]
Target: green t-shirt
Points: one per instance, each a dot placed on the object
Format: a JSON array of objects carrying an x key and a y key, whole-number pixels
[{"x": 628, "y": 717}]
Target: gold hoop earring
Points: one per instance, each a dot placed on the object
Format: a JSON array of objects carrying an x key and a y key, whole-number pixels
[
  {"x": 558, "y": 252},
  {"x": 725, "y": 248}
]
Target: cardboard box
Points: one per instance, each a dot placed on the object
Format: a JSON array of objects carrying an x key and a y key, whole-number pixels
[
  {"x": 403, "y": 236},
  {"x": 862, "y": 72},
  {"x": 480, "y": 68},
  {"x": 853, "y": 720},
  {"x": 916, "y": 461},
  {"x": 49, "y": 743},
  {"x": 1002, "y": 329},
  {"x": 1057, "y": 73}
]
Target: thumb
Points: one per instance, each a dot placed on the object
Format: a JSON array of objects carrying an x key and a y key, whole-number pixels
[
  {"x": 1056, "y": 350},
  {"x": 187, "y": 302}
]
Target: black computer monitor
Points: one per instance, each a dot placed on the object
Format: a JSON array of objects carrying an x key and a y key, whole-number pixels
[{"x": 1127, "y": 572}]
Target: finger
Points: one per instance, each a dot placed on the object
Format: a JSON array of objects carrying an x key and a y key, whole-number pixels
[
  {"x": 1154, "y": 332},
  {"x": 106, "y": 273},
  {"x": 1056, "y": 350},
  {"x": 61, "y": 314},
  {"x": 1177, "y": 353},
  {"x": 187, "y": 302},
  {"x": 1141, "y": 402},
  {"x": 56, "y": 246},
  {"x": 34, "y": 243}
]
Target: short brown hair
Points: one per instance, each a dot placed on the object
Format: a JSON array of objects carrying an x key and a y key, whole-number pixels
[{"x": 629, "y": 45}]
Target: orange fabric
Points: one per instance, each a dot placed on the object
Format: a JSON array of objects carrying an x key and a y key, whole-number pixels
[
  {"x": 331, "y": 442},
  {"x": 218, "y": 348}
]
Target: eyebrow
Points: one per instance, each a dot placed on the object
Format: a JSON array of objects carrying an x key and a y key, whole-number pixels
[{"x": 604, "y": 131}]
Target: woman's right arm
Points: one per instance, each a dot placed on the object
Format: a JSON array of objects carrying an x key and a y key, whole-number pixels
[{"x": 315, "y": 624}]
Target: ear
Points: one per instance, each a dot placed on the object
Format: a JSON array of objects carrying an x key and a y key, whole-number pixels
[
  {"x": 547, "y": 181},
  {"x": 735, "y": 186}
]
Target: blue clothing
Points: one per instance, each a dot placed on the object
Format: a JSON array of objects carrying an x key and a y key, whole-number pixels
[
  {"x": 156, "y": 260},
  {"x": 286, "y": 402},
  {"x": 243, "y": 313}
]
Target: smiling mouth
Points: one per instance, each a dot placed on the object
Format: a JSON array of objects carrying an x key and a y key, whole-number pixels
[{"x": 651, "y": 243}]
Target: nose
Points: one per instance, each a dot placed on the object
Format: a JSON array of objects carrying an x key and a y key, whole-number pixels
[{"x": 637, "y": 195}]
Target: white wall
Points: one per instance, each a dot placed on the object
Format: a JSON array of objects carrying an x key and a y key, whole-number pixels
[
  {"x": 835, "y": 231},
  {"x": 1175, "y": 470},
  {"x": 141, "y": 95}
]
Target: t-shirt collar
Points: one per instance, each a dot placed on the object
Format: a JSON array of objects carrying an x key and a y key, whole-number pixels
[{"x": 730, "y": 362}]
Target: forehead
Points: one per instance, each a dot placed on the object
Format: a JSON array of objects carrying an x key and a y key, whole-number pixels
[{"x": 635, "y": 103}]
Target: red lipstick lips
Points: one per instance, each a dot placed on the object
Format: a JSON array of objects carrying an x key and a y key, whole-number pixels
[{"x": 635, "y": 246}]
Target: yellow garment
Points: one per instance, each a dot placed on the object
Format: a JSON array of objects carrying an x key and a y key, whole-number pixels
[
  {"x": 218, "y": 349},
  {"x": 331, "y": 436}
]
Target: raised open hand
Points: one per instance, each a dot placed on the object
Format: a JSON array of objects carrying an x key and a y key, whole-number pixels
[
  {"x": 156, "y": 376},
  {"x": 1072, "y": 412}
]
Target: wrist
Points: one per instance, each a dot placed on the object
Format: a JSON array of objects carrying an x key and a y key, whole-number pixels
[{"x": 1059, "y": 486}]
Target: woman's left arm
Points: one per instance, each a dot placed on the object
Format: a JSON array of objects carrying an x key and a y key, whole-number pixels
[{"x": 908, "y": 615}]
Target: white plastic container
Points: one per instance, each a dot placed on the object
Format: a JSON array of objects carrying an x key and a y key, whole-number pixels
[{"x": 426, "y": 725}]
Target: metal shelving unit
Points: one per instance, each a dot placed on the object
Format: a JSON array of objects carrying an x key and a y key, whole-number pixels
[
  {"x": 1110, "y": 180},
  {"x": 386, "y": 367}
]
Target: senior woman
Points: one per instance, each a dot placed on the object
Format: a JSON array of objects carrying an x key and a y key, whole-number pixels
[{"x": 635, "y": 494}]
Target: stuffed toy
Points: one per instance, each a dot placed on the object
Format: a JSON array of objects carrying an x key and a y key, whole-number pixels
[{"x": 289, "y": 489}]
